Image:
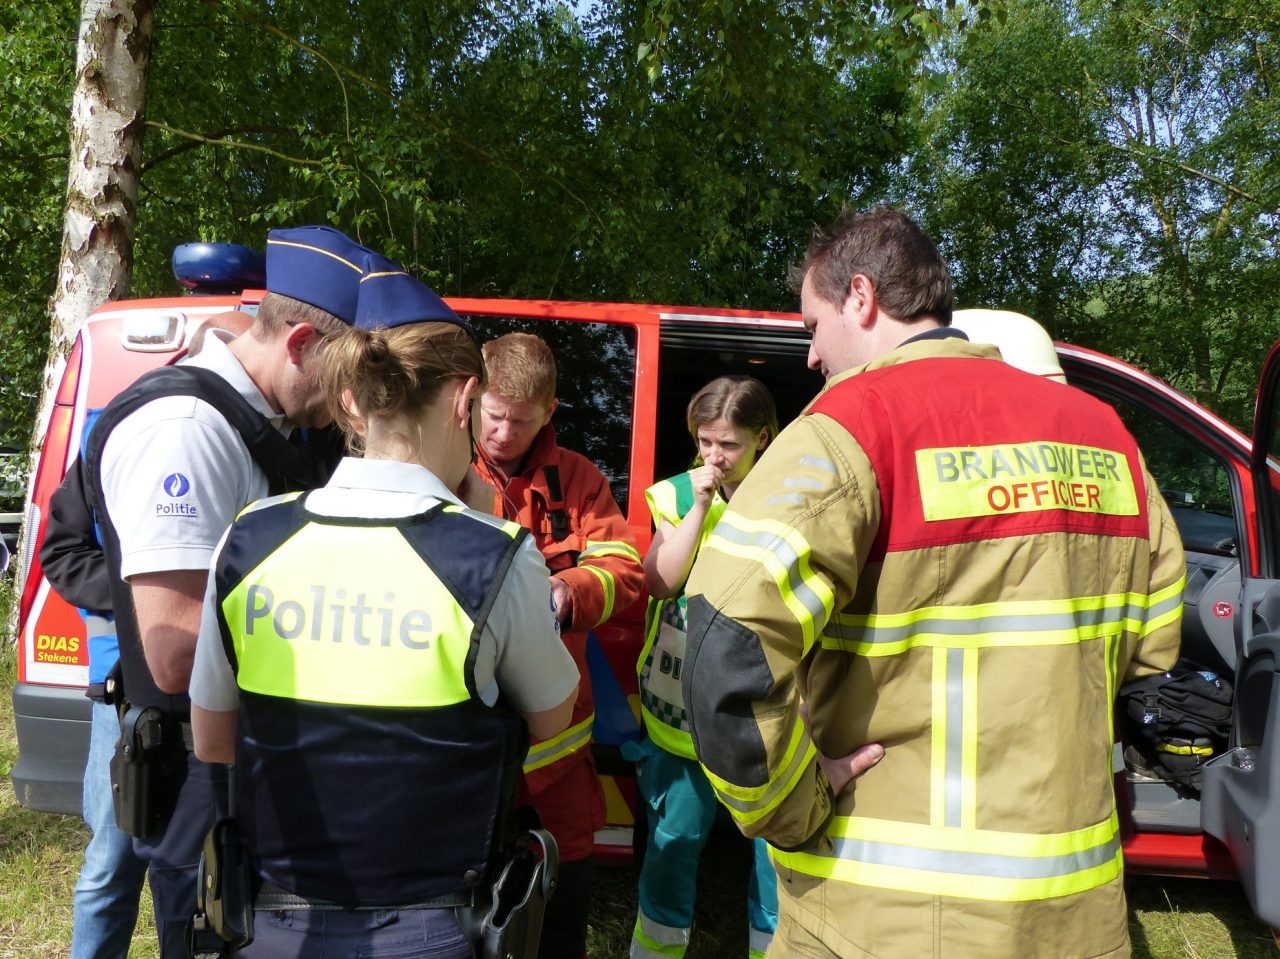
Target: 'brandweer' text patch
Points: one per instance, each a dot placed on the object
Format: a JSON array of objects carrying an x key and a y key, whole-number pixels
[{"x": 961, "y": 482}]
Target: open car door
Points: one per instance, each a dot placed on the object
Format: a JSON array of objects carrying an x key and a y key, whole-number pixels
[{"x": 1241, "y": 794}]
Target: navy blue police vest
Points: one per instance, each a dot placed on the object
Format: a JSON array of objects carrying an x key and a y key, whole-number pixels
[{"x": 370, "y": 773}]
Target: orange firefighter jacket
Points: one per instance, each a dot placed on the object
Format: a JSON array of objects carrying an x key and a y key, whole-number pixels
[{"x": 586, "y": 543}]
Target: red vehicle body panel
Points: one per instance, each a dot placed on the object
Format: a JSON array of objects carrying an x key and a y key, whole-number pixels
[{"x": 43, "y": 614}]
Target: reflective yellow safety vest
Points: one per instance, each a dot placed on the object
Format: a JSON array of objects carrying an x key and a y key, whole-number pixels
[
  {"x": 662, "y": 658},
  {"x": 370, "y": 771}
]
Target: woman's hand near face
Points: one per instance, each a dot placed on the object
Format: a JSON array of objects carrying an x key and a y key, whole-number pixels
[{"x": 706, "y": 479}]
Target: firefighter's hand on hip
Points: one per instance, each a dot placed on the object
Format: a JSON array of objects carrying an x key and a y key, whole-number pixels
[{"x": 842, "y": 770}]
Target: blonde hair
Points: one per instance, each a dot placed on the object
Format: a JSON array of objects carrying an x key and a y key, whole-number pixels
[
  {"x": 521, "y": 368},
  {"x": 401, "y": 370},
  {"x": 742, "y": 401},
  {"x": 277, "y": 311}
]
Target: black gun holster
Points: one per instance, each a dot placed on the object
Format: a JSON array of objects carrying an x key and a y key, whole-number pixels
[
  {"x": 137, "y": 770},
  {"x": 511, "y": 926},
  {"x": 223, "y": 921}
]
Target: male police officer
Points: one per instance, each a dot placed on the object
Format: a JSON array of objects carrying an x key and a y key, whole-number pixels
[
  {"x": 595, "y": 571},
  {"x": 167, "y": 476},
  {"x": 960, "y": 561},
  {"x": 105, "y": 907}
]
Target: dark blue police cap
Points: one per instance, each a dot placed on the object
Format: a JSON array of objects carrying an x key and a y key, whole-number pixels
[
  {"x": 317, "y": 265},
  {"x": 391, "y": 297}
]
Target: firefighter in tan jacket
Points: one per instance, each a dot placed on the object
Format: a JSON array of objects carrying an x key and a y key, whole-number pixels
[{"x": 958, "y": 563}]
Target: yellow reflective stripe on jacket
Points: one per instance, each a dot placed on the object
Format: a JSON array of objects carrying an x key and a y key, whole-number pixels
[
  {"x": 1058, "y": 622},
  {"x": 610, "y": 590},
  {"x": 782, "y": 551},
  {"x": 1165, "y": 607},
  {"x": 964, "y": 863},
  {"x": 609, "y": 548},
  {"x": 558, "y": 747},
  {"x": 747, "y": 804},
  {"x": 953, "y": 764}
]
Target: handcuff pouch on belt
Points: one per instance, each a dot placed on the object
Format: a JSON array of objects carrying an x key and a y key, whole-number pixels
[
  {"x": 137, "y": 770},
  {"x": 512, "y": 926},
  {"x": 224, "y": 894}
]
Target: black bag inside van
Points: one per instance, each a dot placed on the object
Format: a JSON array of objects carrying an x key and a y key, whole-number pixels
[{"x": 1178, "y": 721}]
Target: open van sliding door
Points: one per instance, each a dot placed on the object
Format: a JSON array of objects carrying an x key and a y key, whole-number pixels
[{"x": 1241, "y": 795}]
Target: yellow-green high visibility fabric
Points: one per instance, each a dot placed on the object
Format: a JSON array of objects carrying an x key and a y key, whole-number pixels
[
  {"x": 661, "y": 700},
  {"x": 384, "y": 633}
]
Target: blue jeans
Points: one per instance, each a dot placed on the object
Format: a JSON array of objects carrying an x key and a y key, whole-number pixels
[{"x": 106, "y": 897}]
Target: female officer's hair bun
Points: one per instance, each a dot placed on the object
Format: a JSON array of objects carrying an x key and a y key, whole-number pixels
[{"x": 397, "y": 370}]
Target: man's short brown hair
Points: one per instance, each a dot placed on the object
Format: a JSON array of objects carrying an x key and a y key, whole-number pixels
[
  {"x": 910, "y": 277},
  {"x": 521, "y": 368},
  {"x": 277, "y": 311}
]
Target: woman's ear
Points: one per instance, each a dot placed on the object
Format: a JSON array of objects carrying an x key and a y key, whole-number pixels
[
  {"x": 462, "y": 398},
  {"x": 762, "y": 439},
  {"x": 356, "y": 417}
]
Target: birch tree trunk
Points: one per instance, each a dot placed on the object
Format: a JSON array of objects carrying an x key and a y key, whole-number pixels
[{"x": 112, "y": 55}]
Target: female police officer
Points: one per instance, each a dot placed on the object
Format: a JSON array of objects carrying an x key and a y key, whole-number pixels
[{"x": 353, "y": 648}]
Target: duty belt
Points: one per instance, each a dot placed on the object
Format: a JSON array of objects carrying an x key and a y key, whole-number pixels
[{"x": 271, "y": 898}]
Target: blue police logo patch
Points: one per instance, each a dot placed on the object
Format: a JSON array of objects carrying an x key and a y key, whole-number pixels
[{"x": 175, "y": 484}]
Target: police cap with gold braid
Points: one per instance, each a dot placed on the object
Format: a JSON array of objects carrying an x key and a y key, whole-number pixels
[
  {"x": 317, "y": 265},
  {"x": 389, "y": 297}
]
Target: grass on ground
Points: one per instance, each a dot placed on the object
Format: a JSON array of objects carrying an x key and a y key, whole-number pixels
[{"x": 40, "y": 858}]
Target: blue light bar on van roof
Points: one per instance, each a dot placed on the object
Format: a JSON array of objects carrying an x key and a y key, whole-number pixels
[{"x": 219, "y": 267}]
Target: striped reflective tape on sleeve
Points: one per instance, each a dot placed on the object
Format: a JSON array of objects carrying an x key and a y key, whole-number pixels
[
  {"x": 1164, "y": 607},
  {"x": 964, "y": 863},
  {"x": 609, "y": 548},
  {"x": 784, "y": 554},
  {"x": 1023, "y": 623},
  {"x": 610, "y": 591},
  {"x": 749, "y": 804},
  {"x": 558, "y": 747}
]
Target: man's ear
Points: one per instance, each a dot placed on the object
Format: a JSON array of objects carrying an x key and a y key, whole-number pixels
[
  {"x": 297, "y": 339},
  {"x": 862, "y": 300},
  {"x": 550, "y": 410}
]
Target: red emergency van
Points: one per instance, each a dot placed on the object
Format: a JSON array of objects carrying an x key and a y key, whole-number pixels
[{"x": 627, "y": 371}]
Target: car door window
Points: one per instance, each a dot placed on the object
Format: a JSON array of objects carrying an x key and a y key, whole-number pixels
[{"x": 1195, "y": 483}]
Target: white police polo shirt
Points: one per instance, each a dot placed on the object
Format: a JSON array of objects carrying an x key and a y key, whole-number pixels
[{"x": 175, "y": 473}]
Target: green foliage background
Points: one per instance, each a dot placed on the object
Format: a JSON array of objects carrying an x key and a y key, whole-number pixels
[{"x": 1108, "y": 166}]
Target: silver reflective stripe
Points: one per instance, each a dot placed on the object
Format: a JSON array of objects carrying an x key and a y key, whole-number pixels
[
  {"x": 987, "y": 865},
  {"x": 818, "y": 463},
  {"x": 779, "y": 547},
  {"x": 554, "y": 747},
  {"x": 1164, "y": 606},
  {"x": 839, "y": 627},
  {"x": 803, "y": 482},
  {"x": 661, "y": 934},
  {"x": 955, "y": 736},
  {"x": 775, "y": 787},
  {"x": 758, "y": 941},
  {"x": 795, "y": 499},
  {"x": 613, "y": 547}
]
